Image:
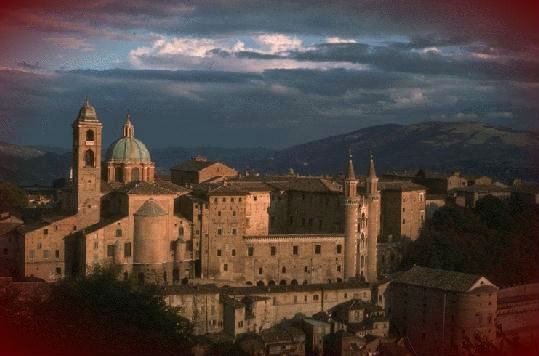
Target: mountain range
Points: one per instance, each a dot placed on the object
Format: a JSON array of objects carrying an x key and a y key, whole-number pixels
[{"x": 471, "y": 147}]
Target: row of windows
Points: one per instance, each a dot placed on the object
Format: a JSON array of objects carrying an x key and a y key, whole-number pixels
[
  {"x": 45, "y": 253},
  {"x": 295, "y": 250},
  {"x": 111, "y": 249},
  {"x": 283, "y": 269},
  {"x": 232, "y": 200},
  {"x": 233, "y": 232},
  {"x": 46, "y": 231}
]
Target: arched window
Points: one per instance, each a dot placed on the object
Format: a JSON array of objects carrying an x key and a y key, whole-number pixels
[
  {"x": 282, "y": 282},
  {"x": 294, "y": 282},
  {"x": 271, "y": 283},
  {"x": 249, "y": 283},
  {"x": 89, "y": 158},
  {"x": 135, "y": 174},
  {"x": 118, "y": 174},
  {"x": 260, "y": 283},
  {"x": 90, "y": 135}
]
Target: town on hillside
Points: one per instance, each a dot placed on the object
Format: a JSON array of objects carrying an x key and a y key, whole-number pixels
[{"x": 282, "y": 264}]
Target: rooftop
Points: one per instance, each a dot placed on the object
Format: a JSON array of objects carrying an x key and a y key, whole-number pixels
[{"x": 437, "y": 279}]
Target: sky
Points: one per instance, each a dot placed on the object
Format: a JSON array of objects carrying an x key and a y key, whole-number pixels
[{"x": 263, "y": 73}]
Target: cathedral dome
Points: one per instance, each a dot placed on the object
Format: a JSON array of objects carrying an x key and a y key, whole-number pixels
[{"x": 128, "y": 149}]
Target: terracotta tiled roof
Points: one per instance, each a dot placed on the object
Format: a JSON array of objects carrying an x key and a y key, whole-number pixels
[
  {"x": 143, "y": 188},
  {"x": 192, "y": 166},
  {"x": 150, "y": 208},
  {"x": 437, "y": 278},
  {"x": 400, "y": 186}
]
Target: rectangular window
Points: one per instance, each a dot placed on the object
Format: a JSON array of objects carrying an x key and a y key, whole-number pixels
[
  {"x": 338, "y": 268},
  {"x": 58, "y": 270},
  {"x": 233, "y": 252},
  {"x": 234, "y": 231},
  {"x": 250, "y": 251},
  {"x": 127, "y": 249},
  {"x": 57, "y": 253},
  {"x": 45, "y": 253},
  {"x": 306, "y": 269},
  {"x": 45, "y": 231},
  {"x": 218, "y": 252},
  {"x": 317, "y": 249},
  {"x": 240, "y": 324},
  {"x": 110, "y": 250},
  {"x": 273, "y": 250},
  {"x": 260, "y": 271},
  {"x": 219, "y": 231},
  {"x": 96, "y": 245},
  {"x": 339, "y": 249},
  {"x": 403, "y": 221},
  {"x": 295, "y": 250},
  {"x": 315, "y": 297},
  {"x": 225, "y": 267}
]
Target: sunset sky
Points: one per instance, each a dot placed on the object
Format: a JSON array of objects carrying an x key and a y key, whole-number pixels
[{"x": 263, "y": 73}]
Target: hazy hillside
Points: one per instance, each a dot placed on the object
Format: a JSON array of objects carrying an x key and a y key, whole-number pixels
[{"x": 473, "y": 148}]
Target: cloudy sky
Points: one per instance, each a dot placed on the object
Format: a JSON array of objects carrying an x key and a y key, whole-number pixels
[{"x": 264, "y": 73}]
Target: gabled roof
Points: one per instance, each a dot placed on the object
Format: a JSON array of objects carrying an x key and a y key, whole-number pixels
[
  {"x": 150, "y": 208},
  {"x": 438, "y": 279},
  {"x": 193, "y": 165}
]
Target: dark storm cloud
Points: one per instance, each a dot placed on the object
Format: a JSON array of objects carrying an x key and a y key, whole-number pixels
[
  {"x": 273, "y": 109},
  {"x": 396, "y": 59},
  {"x": 499, "y": 23},
  {"x": 416, "y": 60}
]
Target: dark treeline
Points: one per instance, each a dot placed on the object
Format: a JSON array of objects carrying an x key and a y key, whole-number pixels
[
  {"x": 497, "y": 239},
  {"x": 93, "y": 315}
]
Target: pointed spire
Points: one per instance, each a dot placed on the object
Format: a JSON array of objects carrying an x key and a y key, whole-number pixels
[
  {"x": 129, "y": 129},
  {"x": 372, "y": 172},
  {"x": 351, "y": 175}
]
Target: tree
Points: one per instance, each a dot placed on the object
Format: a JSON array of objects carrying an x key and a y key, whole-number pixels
[
  {"x": 100, "y": 314},
  {"x": 497, "y": 239},
  {"x": 12, "y": 198}
]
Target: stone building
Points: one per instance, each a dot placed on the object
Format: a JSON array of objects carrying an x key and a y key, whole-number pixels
[
  {"x": 403, "y": 209},
  {"x": 199, "y": 170},
  {"x": 128, "y": 219},
  {"x": 281, "y": 230},
  {"x": 240, "y": 310},
  {"x": 437, "y": 310},
  {"x": 467, "y": 197}
]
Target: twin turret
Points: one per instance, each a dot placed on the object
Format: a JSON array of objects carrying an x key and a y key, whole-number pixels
[{"x": 352, "y": 205}]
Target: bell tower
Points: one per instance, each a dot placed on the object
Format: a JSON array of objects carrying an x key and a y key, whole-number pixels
[
  {"x": 351, "y": 205},
  {"x": 87, "y": 164}
]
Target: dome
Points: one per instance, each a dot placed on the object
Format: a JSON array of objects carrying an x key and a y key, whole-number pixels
[{"x": 128, "y": 149}]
